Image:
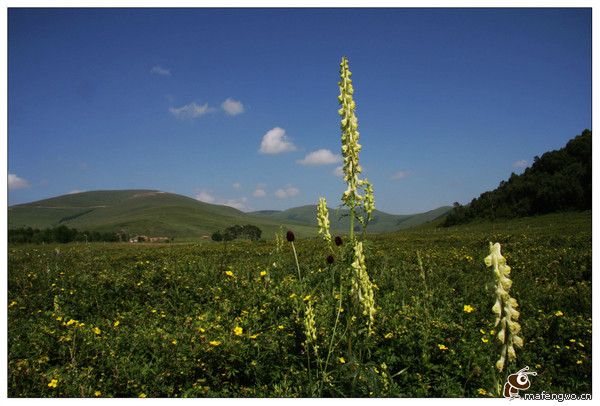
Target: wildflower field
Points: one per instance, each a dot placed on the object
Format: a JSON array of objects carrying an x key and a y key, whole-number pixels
[
  {"x": 424, "y": 313},
  {"x": 120, "y": 320}
]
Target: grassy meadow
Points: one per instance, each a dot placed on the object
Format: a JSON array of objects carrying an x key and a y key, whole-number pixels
[{"x": 205, "y": 320}]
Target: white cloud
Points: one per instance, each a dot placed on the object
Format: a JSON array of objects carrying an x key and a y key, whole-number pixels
[
  {"x": 288, "y": 191},
  {"x": 259, "y": 191},
  {"x": 205, "y": 197},
  {"x": 236, "y": 185},
  {"x": 338, "y": 171},
  {"x": 275, "y": 142},
  {"x": 159, "y": 70},
  {"x": 400, "y": 175},
  {"x": 239, "y": 204},
  {"x": 75, "y": 191},
  {"x": 191, "y": 110},
  {"x": 320, "y": 157},
  {"x": 521, "y": 164},
  {"x": 15, "y": 182},
  {"x": 232, "y": 107}
]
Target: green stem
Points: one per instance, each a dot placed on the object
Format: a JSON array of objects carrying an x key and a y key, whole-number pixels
[
  {"x": 297, "y": 265},
  {"x": 352, "y": 223}
]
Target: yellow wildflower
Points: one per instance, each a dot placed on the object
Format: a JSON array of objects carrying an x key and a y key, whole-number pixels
[
  {"x": 323, "y": 219},
  {"x": 559, "y": 313},
  {"x": 229, "y": 273},
  {"x": 468, "y": 308},
  {"x": 485, "y": 340},
  {"x": 215, "y": 343},
  {"x": 442, "y": 347},
  {"x": 306, "y": 298},
  {"x": 253, "y": 336},
  {"x": 579, "y": 362},
  {"x": 97, "y": 393},
  {"x": 174, "y": 342},
  {"x": 342, "y": 360},
  {"x": 263, "y": 273},
  {"x": 482, "y": 391},
  {"x": 96, "y": 330},
  {"x": 238, "y": 331},
  {"x": 280, "y": 327},
  {"x": 116, "y": 323},
  {"x": 53, "y": 383}
]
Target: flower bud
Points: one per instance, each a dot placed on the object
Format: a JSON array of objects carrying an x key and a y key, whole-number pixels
[{"x": 290, "y": 236}]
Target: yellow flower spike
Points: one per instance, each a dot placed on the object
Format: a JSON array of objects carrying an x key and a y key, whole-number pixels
[
  {"x": 362, "y": 287},
  {"x": 310, "y": 330},
  {"x": 350, "y": 135},
  {"x": 369, "y": 199},
  {"x": 323, "y": 219},
  {"x": 505, "y": 307}
]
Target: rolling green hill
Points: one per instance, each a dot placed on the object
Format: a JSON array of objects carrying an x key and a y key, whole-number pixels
[
  {"x": 558, "y": 181},
  {"x": 339, "y": 220},
  {"x": 157, "y": 213},
  {"x": 148, "y": 212}
]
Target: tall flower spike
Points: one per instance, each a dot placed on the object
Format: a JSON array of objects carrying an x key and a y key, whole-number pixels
[
  {"x": 323, "y": 219},
  {"x": 310, "y": 330},
  {"x": 362, "y": 286},
  {"x": 369, "y": 199},
  {"x": 505, "y": 308},
  {"x": 350, "y": 136}
]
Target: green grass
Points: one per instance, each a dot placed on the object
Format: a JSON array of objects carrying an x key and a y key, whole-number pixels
[{"x": 172, "y": 301}]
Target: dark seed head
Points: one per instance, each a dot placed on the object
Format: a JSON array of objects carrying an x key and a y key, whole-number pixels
[
  {"x": 330, "y": 259},
  {"x": 290, "y": 236},
  {"x": 338, "y": 240}
]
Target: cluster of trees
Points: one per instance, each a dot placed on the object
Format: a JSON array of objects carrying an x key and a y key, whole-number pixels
[
  {"x": 249, "y": 231},
  {"x": 61, "y": 234},
  {"x": 558, "y": 181}
]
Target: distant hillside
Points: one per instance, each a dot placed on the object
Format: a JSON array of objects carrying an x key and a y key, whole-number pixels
[
  {"x": 149, "y": 212},
  {"x": 339, "y": 220},
  {"x": 156, "y": 213},
  {"x": 558, "y": 181}
]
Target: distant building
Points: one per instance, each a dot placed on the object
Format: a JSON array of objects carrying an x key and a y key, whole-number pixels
[{"x": 145, "y": 238}]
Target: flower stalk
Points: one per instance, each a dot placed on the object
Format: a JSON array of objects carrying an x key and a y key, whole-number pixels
[{"x": 505, "y": 308}]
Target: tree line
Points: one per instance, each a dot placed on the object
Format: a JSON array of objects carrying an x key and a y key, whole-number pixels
[
  {"x": 61, "y": 234},
  {"x": 249, "y": 231},
  {"x": 557, "y": 181}
]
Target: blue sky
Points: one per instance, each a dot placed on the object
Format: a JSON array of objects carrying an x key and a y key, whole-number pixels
[{"x": 228, "y": 105}]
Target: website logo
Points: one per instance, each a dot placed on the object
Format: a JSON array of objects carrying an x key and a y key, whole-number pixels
[{"x": 516, "y": 382}]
